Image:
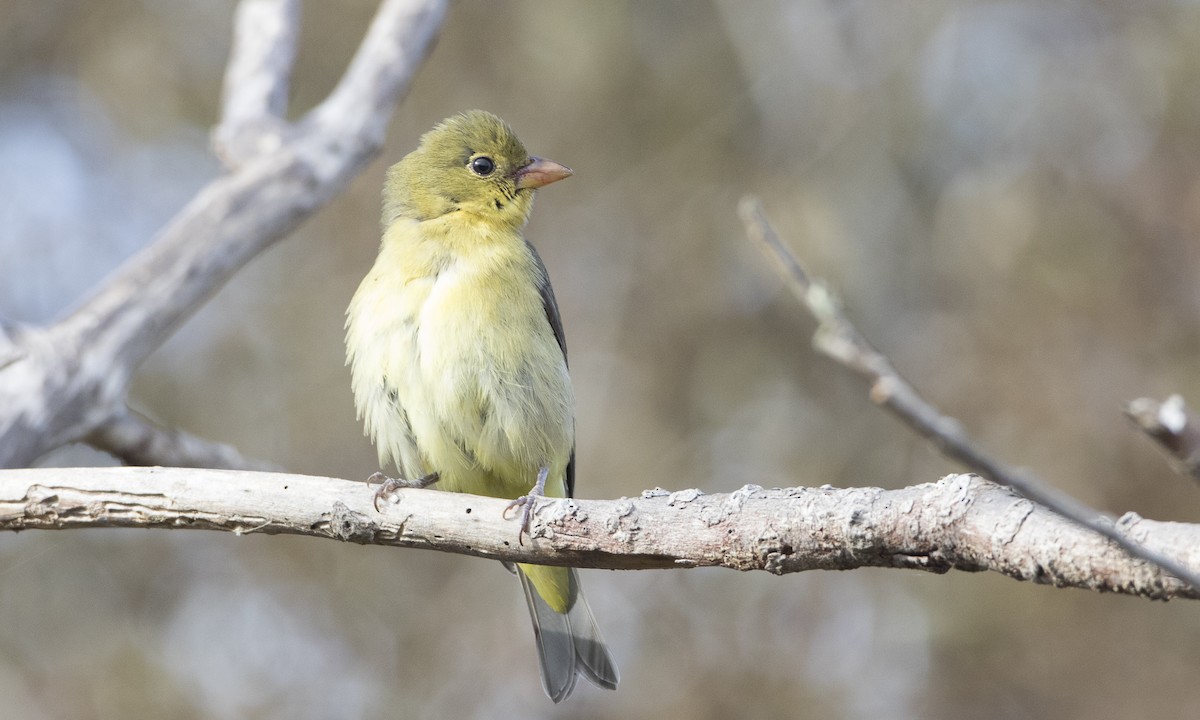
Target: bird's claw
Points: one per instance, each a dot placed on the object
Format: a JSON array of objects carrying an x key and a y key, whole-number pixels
[
  {"x": 388, "y": 485},
  {"x": 525, "y": 502}
]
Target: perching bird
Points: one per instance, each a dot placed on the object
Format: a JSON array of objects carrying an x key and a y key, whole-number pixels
[{"x": 458, "y": 361}]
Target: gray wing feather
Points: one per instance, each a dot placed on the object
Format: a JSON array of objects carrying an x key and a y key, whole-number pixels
[{"x": 550, "y": 305}]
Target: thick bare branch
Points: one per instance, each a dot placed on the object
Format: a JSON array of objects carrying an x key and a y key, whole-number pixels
[
  {"x": 840, "y": 340},
  {"x": 135, "y": 440},
  {"x": 1174, "y": 426},
  {"x": 401, "y": 35},
  {"x": 255, "y": 94},
  {"x": 960, "y": 522},
  {"x": 66, "y": 380}
]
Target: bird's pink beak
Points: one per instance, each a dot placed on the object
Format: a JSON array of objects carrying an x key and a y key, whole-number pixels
[{"x": 539, "y": 172}]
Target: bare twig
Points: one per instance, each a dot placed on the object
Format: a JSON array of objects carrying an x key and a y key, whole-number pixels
[
  {"x": 255, "y": 95},
  {"x": 66, "y": 381},
  {"x": 839, "y": 339},
  {"x": 135, "y": 440},
  {"x": 960, "y": 522},
  {"x": 1174, "y": 426},
  {"x": 368, "y": 91}
]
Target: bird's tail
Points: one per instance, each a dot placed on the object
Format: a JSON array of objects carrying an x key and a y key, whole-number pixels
[{"x": 569, "y": 643}]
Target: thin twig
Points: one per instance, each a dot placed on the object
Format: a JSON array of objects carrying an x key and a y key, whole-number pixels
[
  {"x": 839, "y": 339},
  {"x": 135, "y": 440},
  {"x": 1174, "y": 426}
]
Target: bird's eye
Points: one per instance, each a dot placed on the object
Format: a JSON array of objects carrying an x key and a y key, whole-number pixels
[{"x": 482, "y": 166}]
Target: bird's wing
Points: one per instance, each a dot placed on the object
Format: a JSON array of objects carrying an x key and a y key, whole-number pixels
[{"x": 550, "y": 305}]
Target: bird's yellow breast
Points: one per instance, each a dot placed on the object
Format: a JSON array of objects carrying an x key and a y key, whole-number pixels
[{"x": 455, "y": 367}]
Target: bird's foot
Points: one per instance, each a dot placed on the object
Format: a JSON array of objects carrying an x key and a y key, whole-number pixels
[
  {"x": 388, "y": 485},
  {"x": 526, "y": 503}
]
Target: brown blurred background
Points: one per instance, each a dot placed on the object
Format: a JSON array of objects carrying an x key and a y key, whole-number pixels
[{"x": 1006, "y": 194}]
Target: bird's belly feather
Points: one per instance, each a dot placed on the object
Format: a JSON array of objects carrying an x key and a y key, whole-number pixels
[{"x": 470, "y": 381}]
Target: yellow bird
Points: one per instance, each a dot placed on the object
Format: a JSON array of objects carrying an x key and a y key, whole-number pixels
[{"x": 458, "y": 361}]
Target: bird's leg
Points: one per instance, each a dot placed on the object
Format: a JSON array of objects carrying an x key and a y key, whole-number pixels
[
  {"x": 526, "y": 502},
  {"x": 388, "y": 485}
]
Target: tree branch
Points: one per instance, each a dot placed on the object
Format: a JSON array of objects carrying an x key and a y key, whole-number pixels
[
  {"x": 135, "y": 440},
  {"x": 1174, "y": 426},
  {"x": 840, "y": 340},
  {"x": 65, "y": 381},
  {"x": 400, "y": 37},
  {"x": 960, "y": 522},
  {"x": 255, "y": 95}
]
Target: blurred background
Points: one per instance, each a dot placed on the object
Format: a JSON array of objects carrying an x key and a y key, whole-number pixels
[{"x": 1006, "y": 194}]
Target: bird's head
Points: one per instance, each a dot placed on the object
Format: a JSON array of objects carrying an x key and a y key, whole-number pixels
[{"x": 470, "y": 163}]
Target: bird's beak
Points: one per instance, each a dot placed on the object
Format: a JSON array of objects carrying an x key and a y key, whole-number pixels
[{"x": 539, "y": 172}]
